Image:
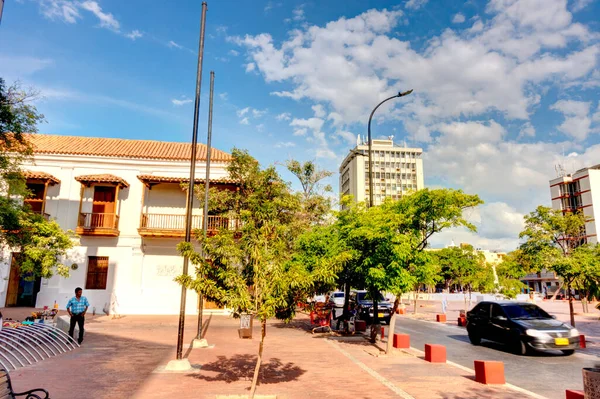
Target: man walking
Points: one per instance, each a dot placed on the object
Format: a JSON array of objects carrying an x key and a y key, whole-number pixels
[{"x": 77, "y": 307}]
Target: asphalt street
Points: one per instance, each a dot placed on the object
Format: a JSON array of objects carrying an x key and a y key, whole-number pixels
[{"x": 545, "y": 374}]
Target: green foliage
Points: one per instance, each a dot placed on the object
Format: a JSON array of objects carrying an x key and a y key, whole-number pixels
[
  {"x": 256, "y": 270},
  {"x": 41, "y": 244},
  {"x": 314, "y": 204},
  {"x": 17, "y": 117},
  {"x": 509, "y": 273}
]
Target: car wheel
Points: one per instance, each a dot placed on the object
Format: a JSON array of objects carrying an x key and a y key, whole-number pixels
[
  {"x": 520, "y": 348},
  {"x": 474, "y": 337},
  {"x": 568, "y": 352}
]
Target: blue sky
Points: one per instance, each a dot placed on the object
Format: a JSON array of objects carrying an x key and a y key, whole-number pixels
[{"x": 504, "y": 89}]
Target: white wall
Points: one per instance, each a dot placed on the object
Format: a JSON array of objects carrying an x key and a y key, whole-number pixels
[{"x": 141, "y": 271}]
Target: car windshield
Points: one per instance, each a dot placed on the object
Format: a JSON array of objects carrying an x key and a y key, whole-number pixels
[
  {"x": 525, "y": 312},
  {"x": 338, "y": 294},
  {"x": 362, "y": 296}
]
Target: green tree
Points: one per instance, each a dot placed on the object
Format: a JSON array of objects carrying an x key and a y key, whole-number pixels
[
  {"x": 314, "y": 204},
  {"x": 509, "y": 272},
  {"x": 551, "y": 240},
  {"x": 254, "y": 270},
  {"x": 41, "y": 243}
]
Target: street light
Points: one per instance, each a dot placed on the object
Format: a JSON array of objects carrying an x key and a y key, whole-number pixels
[{"x": 400, "y": 94}]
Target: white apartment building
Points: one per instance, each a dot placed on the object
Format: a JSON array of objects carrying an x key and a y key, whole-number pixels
[
  {"x": 579, "y": 191},
  {"x": 397, "y": 171},
  {"x": 125, "y": 201}
]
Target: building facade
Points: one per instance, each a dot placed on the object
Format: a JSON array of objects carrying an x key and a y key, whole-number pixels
[
  {"x": 579, "y": 191},
  {"x": 397, "y": 171},
  {"x": 125, "y": 200}
]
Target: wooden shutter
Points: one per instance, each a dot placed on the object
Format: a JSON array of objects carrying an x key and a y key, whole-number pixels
[{"x": 97, "y": 273}]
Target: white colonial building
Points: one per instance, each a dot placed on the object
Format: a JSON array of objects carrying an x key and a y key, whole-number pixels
[{"x": 125, "y": 201}]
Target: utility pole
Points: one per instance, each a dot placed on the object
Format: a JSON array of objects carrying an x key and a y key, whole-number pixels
[{"x": 180, "y": 363}]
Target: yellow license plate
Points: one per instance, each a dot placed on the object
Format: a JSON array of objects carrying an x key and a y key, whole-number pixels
[
  {"x": 561, "y": 341},
  {"x": 381, "y": 315}
]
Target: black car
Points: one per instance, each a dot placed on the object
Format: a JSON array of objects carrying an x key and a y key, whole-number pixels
[
  {"x": 364, "y": 307},
  {"x": 522, "y": 326}
]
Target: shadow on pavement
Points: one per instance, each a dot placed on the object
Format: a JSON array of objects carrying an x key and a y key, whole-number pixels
[{"x": 241, "y": 367}]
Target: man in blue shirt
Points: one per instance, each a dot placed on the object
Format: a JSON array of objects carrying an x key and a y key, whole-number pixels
[{"x": 77, "y": 307}]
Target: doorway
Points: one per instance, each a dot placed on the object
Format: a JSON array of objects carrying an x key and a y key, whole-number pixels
[{"x": 22, "y": 290}]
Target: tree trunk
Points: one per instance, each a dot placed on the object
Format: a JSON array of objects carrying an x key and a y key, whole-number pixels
[
  {"x": 263, "y": 332},
  {"x": 416, "y": 299},
  {"x": 392, "y": 328},
  {"x": 376, "y": 326},
  {"x": 571, "y": 310},
  {"x": 557, "y": 291}
]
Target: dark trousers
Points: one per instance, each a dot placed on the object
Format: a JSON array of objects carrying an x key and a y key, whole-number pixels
[{"x": 79, "y": 319}]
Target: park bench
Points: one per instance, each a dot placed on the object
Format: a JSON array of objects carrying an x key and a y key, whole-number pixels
[{"x": 6, "y": 391}]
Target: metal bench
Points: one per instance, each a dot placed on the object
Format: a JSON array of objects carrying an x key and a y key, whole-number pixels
[{"x": 6, "y": 391}]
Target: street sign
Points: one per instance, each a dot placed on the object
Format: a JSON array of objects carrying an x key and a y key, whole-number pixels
[{"x": 245, "y": 330}]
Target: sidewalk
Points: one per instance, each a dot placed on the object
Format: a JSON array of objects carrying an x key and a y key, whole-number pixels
[{"x": 119, "y": 359}]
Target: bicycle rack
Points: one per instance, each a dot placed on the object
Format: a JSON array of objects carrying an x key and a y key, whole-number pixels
[{"x": 18, "y": 345}]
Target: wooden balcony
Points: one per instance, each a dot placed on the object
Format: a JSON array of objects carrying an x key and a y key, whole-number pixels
[
  {"x": 167, "y": 225},
  {"x": 98, "y": 224}
]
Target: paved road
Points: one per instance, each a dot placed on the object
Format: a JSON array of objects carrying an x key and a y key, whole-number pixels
[{"x": 548, "y": 375}]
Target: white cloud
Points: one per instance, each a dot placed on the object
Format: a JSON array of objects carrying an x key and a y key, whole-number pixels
[
  {"x": 257, "y": 113},
  {"x": 134, "y": 34},
  {"x": 527, "y": 130},
  {"x": 15, "y": 67},
  {"x": 347, "y": 136},
  {"x": 107, "y": 20},
  {"x": 65, "y": 10},
  {"x": 223, "y": 96},
  {"x": 298, "y": 13},
  {"x": 285, "y": 144},
  {"x": 234, "y": 53},
  {"x": 260, "y": 127},
  {"x": 458, "y": 18},
  {"x": 221, "y": 29},
  {"x": 243, "y": 111},
  {"x": 175, "y": 45},
  {"x": 319, "y": 111},
  {"x": 577, "y": 123},
  {"x": 183, "y": 101},
  {"x": 244, "y": 121},
  {"x": 285, "y": 116},
  {"x": 579, "y": 5},
  {"x": 300, "y": 131},
  {"x": 415, "y": 4},
  {"x": 251, "y": 66}
]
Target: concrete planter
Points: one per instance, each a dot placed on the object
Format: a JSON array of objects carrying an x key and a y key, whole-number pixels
[{"x": 591, "y": 383}]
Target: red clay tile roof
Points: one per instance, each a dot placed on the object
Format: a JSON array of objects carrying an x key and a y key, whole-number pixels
[
  {"x": 41, "y": 176},
  {"x": 105, "y": 178},
  {"x": 120, "y": 148},
  {"x": 169, "y": 179}
]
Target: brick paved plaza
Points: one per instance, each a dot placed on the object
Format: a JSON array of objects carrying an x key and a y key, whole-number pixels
[{"x": 120, "y": 359}]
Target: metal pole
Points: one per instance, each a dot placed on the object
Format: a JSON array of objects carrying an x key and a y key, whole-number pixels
[
  {"x": 206, "y": 187},
  {"x": 190, "y": 197},
  {"x": 371, "y": 171}
]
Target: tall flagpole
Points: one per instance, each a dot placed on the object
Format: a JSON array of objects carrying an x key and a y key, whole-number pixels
[
  {"x": 206, "y": 187},
  {"x": 190, "y": 192}
]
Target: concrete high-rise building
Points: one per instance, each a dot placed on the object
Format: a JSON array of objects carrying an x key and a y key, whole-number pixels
[
  {"x": 579, "y": 191},
  {"x": 397, "y": 171}
]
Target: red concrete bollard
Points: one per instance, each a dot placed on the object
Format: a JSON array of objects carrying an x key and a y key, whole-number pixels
[
  {"x": 312, "y": 317},
  {"x": 488, "y": 372},
  {"x": 462, "y": 321},
  {"x": 572, "y": 394},
  {"x": 360, "y": 325},
  {"x": 582, "y": 341},
  {"x": 401, "y": 341},
  {"x": 441, "y": 318},
  {"x": 382, "y": 333},
  {"x": 435, "y": 353}
]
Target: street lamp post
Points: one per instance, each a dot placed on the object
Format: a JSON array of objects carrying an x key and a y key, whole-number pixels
[
  {"x": 376, "y": 326},
  {"x": 400, "y": 94}
]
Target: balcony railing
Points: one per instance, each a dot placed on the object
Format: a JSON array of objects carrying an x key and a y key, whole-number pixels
[
  {"x": 98, "y": 224},
  {"x": 168, "y": 225}
]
